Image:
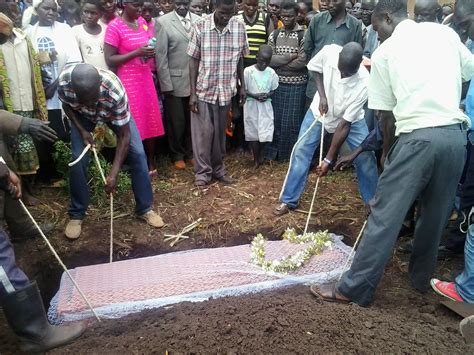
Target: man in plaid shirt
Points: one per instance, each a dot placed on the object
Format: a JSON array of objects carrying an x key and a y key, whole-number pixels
[
  {"x": 217, "y": 47},
  {"x": 90, "y": 95}
]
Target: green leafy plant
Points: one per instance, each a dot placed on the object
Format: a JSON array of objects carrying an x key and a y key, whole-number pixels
[{"x": 62, "y": 156}]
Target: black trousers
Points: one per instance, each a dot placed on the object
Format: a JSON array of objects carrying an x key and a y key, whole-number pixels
[{"x": 178, "y": 127}]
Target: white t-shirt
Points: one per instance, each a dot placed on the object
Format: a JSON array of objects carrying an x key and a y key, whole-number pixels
[
  {"x": 91, "y": 46},
  {"x": 417, "y": 74},
  {"x": 60, "y": 43},
  {"x": 346, "y": 97}
]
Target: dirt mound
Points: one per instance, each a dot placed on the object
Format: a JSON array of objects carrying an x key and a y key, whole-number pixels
[{"x": 289, "y": 320}]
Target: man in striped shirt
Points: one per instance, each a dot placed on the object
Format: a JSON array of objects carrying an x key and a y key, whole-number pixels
[
  {"x": 217, "y": 47},
  {"x": 90, "y": 95}
]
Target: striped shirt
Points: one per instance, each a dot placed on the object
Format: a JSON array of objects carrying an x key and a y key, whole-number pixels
[
  {"x": 256, "y": 36},
  {"x": 112, "y": 105},
  {"x": 218, "y": 54}
]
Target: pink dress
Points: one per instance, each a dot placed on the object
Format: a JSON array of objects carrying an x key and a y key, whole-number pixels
[{"x": 136, "y": 77}]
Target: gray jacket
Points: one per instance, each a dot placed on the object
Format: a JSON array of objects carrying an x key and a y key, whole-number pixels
[{"x": 172, "y": 60}]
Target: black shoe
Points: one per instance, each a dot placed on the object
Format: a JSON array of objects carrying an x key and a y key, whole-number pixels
[
  {"x": 225, "y": 180},
  {"x": 26, "y": 316}
]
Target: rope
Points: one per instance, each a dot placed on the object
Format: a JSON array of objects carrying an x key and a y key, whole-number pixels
[
  {"x": 80, "y": 156},
  {"x": 59, "y": 260},
  {"x": 317, "y": 181},
  {"x": 97, "y": 162},
  {"x": 111, "y": 248},
  {"x": 351, "y": 254}
]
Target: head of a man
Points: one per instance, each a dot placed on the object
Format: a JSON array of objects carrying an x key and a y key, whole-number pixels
[
  {"x": 303, "y": 10},
  {"x": 350, "y": 59},
  {"x": 464, "y": 18},
  {"x": 250, "y": 8},
  {"x": 356, "y": 11},
  {"x": 10, "y": 9},
  {"x": 181, "y": 7},
  {"x": 224, "y": 11},
  {"x": 366, "y": 9},
  {"x": 336, "y": 7},
  {"x": 323, "y": 5},
  {"x": 387, "y": 15},
  {"x": 196, "y": 7},
  {"x": 273, "y": 7},
  {"x": 264, "y": 56},
  {"x": 86, "y": 81},
  {"x": 427, "y": 11},
  {"x": 288, "y": 14}
]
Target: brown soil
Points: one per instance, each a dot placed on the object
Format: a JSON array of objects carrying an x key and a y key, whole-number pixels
[{"x": 288, "y": 320}]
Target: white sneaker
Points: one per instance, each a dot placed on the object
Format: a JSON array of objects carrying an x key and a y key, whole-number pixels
[
  {"x": 153, "y": 219},
  {"x": 73, "y": 229}
]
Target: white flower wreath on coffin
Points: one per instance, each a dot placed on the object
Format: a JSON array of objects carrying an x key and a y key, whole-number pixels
[{"x": 318, "y": 242}]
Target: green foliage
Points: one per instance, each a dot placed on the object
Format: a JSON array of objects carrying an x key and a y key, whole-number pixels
[{"x": 62, "y": 156}]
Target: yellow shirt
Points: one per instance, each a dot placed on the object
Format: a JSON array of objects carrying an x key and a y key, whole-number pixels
[
  {"x": 17, "y": 63},
  {"x": 417, "y": 73}
]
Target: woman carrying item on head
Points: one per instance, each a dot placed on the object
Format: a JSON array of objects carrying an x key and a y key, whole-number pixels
[{"x": 127, "y": 49}]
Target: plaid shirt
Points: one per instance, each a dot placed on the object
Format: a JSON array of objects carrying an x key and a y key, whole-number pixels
[
  {"x": 112, "y": 105},
  {"x": 218, "y": 54}
]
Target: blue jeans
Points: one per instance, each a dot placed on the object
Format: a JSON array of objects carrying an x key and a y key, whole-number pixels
[
  {"x": 302, "y": 154},
  {"x": 12, "y": 278},
  {"x": 465, "y": 281},
  {"x": 136, "y": 159}
]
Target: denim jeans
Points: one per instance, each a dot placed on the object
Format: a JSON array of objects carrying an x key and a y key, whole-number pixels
[
  {"x": 302, "y": 154},
  {"x": 136, "y": 159},
  {"x": 465, "y": 281}
]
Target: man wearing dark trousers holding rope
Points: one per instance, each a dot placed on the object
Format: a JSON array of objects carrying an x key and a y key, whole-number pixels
[
  {"x": 426, "y": 162},
  {"x": 19, "y": 297}
]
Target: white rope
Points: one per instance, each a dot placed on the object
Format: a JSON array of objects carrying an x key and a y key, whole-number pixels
[
  {"x": 97, "y": 161},
  {"x": 111, "y": 248},
  {"x": 59, "y": 260},
  {"x": 317, "y": 181},
  {"x": 351, "y": 254},
  {"x": 87, "y": 147}
]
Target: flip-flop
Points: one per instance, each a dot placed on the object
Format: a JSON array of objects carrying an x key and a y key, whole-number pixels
[{"x": 315, "y": 290}]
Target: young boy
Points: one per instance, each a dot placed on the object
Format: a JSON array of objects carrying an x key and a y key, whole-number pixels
[
  {"x": 261, "y": 82},
  {"x": 90, "y": 34}
]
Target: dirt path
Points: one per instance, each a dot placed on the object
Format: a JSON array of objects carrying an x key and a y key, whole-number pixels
[{"x": 400, "y": 320}]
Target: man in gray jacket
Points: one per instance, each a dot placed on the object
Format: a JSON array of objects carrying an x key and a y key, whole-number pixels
[{"x": 172, "y": 34}]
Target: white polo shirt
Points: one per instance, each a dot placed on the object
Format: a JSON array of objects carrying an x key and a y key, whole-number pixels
[
  {"x": 346, "y": 97},
  {"x": 417, "y": 73}
]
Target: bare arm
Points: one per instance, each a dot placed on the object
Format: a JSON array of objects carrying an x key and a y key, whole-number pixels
[
  {"x": 114, "y": 60},
  {"x": 123, "y": 144},
  {"x": 240, "y": 76},
  {"x": 388, "y": 130},
  {"x": 193, "y": 74},
  {"x": 323, "y": 101},
  {"x": 340, "y": 135}
]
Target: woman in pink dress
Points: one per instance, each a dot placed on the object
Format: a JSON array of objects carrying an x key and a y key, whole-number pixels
[{"x": 126, "y": 50}]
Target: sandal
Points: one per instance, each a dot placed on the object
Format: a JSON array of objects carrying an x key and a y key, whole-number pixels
[{"x": 316, "y": 291}]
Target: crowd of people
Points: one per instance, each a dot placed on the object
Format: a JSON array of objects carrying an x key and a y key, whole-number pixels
[{"x": 271, "y": 77}]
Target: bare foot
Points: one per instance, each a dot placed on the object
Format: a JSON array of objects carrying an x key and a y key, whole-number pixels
[{"x": 29, "y": 200}]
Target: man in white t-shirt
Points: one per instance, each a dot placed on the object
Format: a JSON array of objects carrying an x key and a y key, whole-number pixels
[
  {"x": 417, "y": 74},
  {"x": 342, "y": 82}
]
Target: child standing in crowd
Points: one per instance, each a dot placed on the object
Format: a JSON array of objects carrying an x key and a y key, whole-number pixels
[
  {"x": 126, "y": 49},
  {"x": 261, "y": 82},
  {"x": 90, "y": 35},
  {"x": 166, "y": 6}
]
